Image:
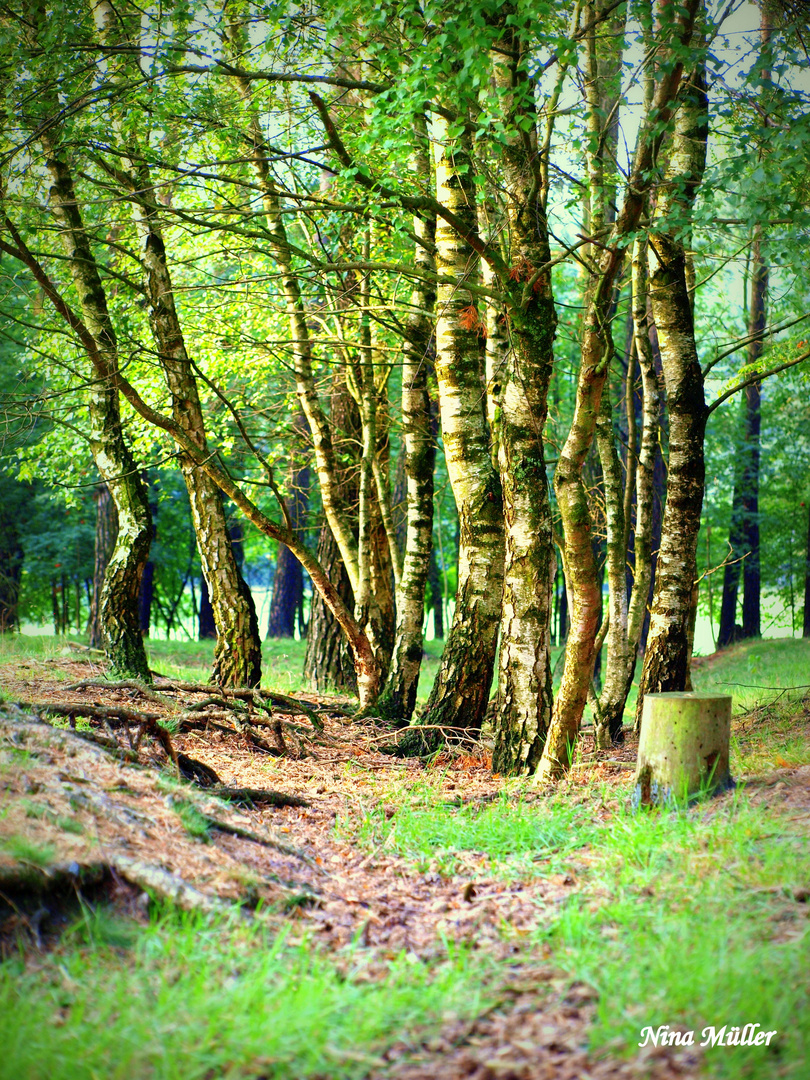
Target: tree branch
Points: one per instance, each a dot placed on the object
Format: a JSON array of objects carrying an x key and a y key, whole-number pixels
[{"x": 755, "y": 378}]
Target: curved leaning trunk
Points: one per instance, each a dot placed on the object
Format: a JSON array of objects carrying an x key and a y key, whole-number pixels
[
  {"x": 119, "y": 613},
  {"x": 237, "y": 655},
  {"x": 602, "y": 64},
  {"x": 597, "y": 351},
  {"x": 378, "y": 558},
  {"x": 363, "y": 631},
  {"x": 460, "y": 692}
]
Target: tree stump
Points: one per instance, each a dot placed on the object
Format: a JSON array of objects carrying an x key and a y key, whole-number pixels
[{"x": 683, "y": 748}]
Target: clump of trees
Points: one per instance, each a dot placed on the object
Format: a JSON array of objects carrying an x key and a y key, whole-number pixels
[{"x": 334, "y": 263}]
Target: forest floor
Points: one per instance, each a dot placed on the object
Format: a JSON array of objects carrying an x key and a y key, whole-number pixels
[{"x": 397, "y": 918}]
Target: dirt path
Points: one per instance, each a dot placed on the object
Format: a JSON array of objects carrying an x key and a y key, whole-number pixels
[{"x": 76, "y": 805}]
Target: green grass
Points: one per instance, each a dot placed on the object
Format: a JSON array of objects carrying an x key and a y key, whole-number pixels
[
  {"x": 19, "y": 756},
  {"x": 753, "y": 670},
  {"x": 100, "y": 927},
  {"x": 38, "y": 812},
  {"x": 189, "y": 661},
  {"x": 27, "y": 851},
  {"x": 195, "y": 823},
  {"x": 194, "y": 1000},
  {"x": 32, "y": 647},
  {"x": 690, "y": 918},
  {"x": 775, "y": 734},
  {"x": 513, "y": 836}
]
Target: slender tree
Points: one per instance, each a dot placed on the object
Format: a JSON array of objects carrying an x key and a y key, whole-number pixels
[{"x": 666, "y": 659}]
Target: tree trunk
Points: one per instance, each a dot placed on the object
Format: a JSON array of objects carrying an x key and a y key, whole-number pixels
[
  {"x": 627, "y": 615},
  {"x": 55, "y": 615},
  {"x": 743, "y": 536},
  {"x": 751, "y": 613},
  {"x": 460, "y": 692},
  {"x": 106, "y": 535},
  {"x": 145, "y": 598},
  {"x": 521, "y": 400},
  {"x": 666, "y": 660},
  {"x": 288, "y": 582},
  {"x": 399, "y": 698},
  {"x": 11, "y": 564},
  {"x": 806, "y": 623},
  {"x": 751, "y": 619},
  {"x": 123, "y": 643},
  {"x": 328, "y": 664},
  {"x": 288, "y": 589},
  {"x": 436, "y": 597},
  {"x": 562, "y": 610},
  {"x": 206, "y": 626},
  {"x": 379, "y": 558},
  {"x": 729, "y": 630},
  {"x": 237, "y": 657}
]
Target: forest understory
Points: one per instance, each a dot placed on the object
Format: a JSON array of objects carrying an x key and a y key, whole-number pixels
[{"x": 428, "y": 918}]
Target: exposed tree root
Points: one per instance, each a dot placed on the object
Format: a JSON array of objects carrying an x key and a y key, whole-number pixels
[
  {"x": 124, "y": 684},
  {"x": 243, "y": 719},
  {"x": 423, "y": 740},
  {"x": 261, "y": 699},
  {"x": 212, "y": 812},
  {"x": 250, "y": 797},
  {"x": 198, "y": 772},
  {"x": 64, "y": 883},
  {"x": 108, "y": 743},
  {"x": 166, "y": 886},
  {"x": 146, "y": 722},
  {"x": 206, "y": 777}
]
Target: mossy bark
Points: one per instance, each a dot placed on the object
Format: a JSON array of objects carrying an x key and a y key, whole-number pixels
[
  {"x": 627, "y": 615},
  {"x": 524, "y": 674},
  {"x": 119, "y": 614},
  {"x": 460, "y": 691},
  {"x": 667, "y": 656},
  {"x": 237, "y": 656},
  {"x": 399, "y": 698},
  {"x": 106, "y": 533}
]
